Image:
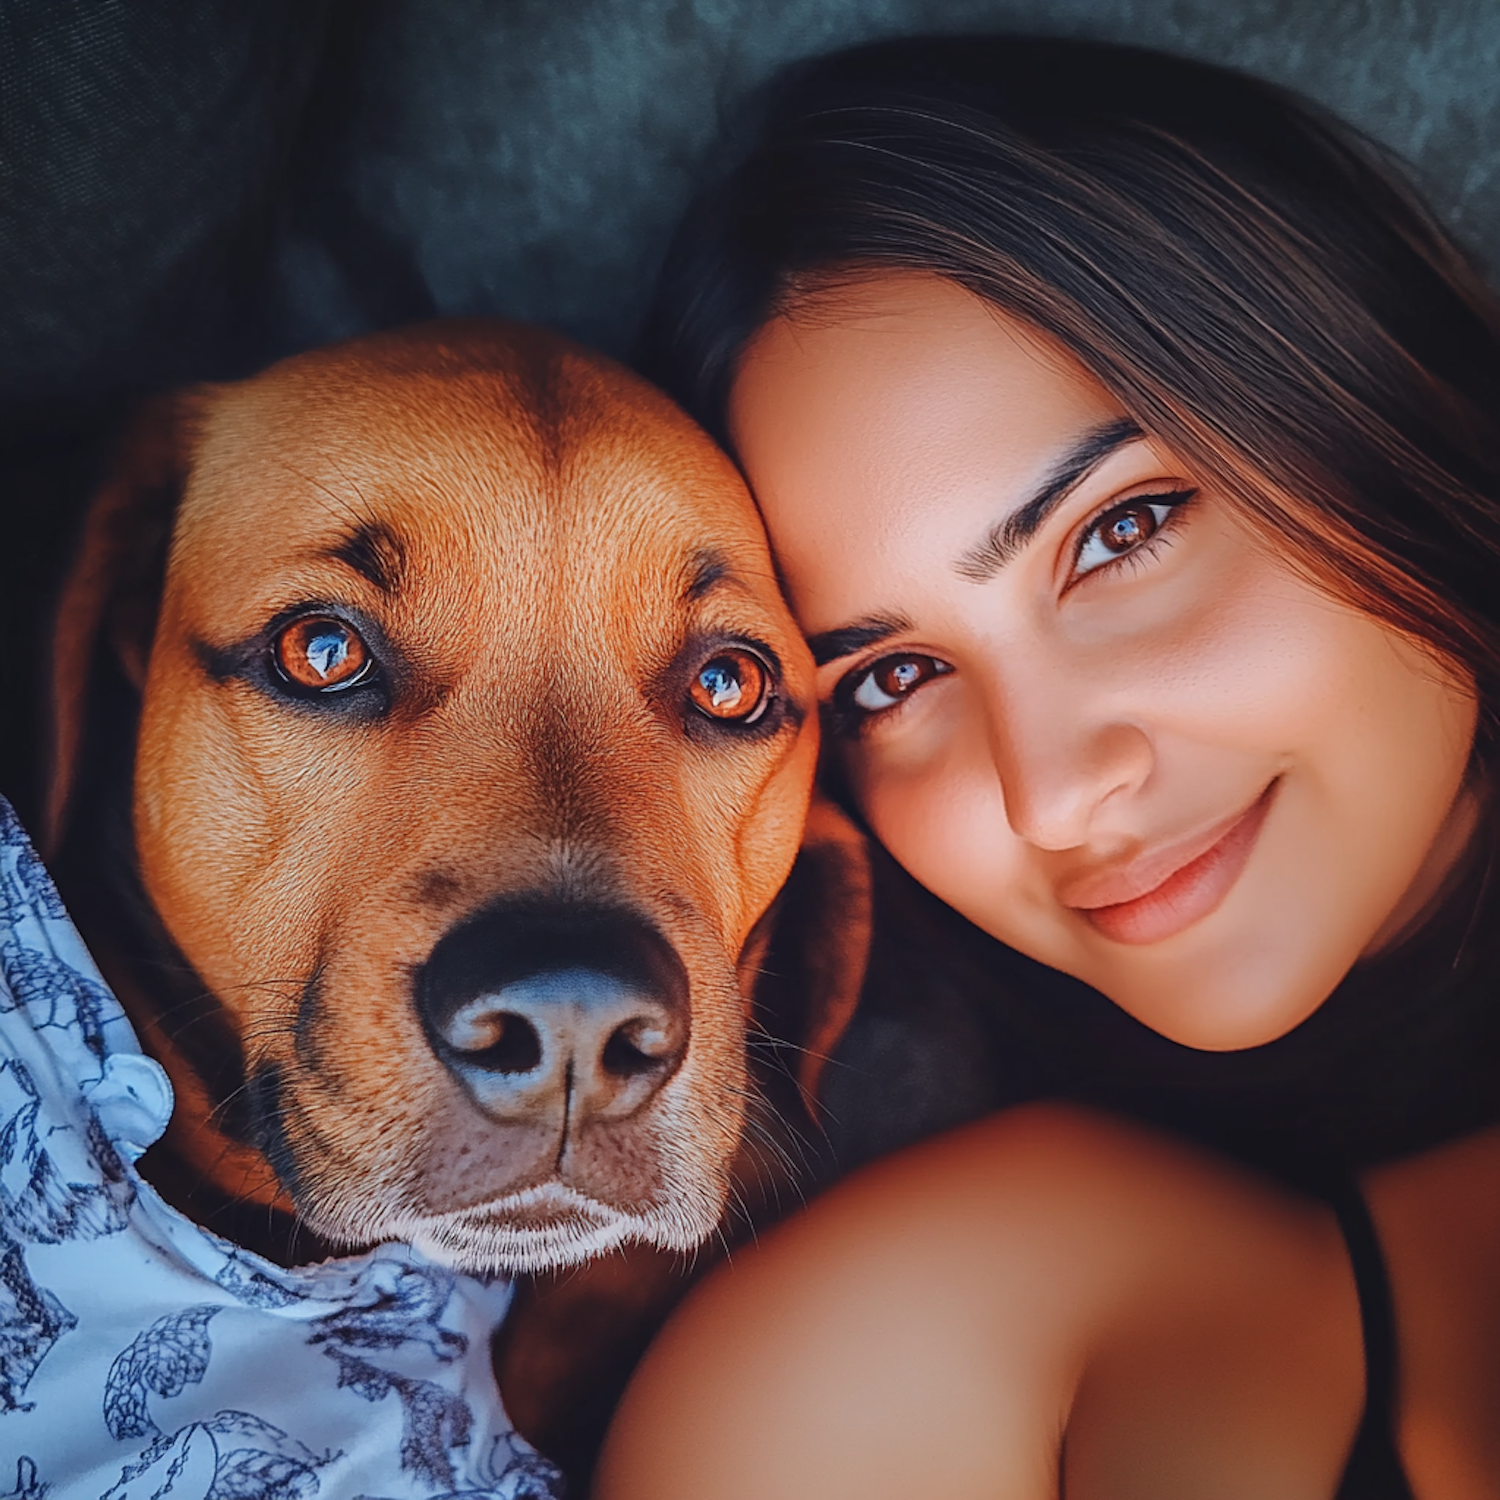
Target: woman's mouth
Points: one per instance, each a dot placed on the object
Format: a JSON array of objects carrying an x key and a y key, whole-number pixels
[{"x": 1195, "y": 883}]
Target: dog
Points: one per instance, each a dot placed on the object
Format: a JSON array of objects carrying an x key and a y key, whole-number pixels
[{"x": 431, "y": 741}]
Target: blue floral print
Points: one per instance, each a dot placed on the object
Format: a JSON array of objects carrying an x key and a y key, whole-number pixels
[{"x": 143, "y": 1358}]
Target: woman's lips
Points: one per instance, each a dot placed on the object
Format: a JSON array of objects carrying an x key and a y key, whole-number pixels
[{"x": 1195, "y": 880}]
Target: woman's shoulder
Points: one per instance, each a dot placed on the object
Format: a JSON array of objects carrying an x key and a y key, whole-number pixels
[
  {"x": 937, "y": 1322},
  {"x": 1438, "y": 1219}
]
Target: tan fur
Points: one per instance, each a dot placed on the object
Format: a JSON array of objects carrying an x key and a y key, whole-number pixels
[{"x": 547, "y": 514}]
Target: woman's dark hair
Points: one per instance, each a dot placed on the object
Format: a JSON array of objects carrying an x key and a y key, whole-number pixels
[{"x": 1254, "y": 283}]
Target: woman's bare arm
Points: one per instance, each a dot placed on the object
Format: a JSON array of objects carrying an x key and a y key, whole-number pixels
[{"x": 1046, "y": 1293}]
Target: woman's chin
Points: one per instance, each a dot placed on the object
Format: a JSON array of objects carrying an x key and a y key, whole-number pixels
[{"x": 1223, "y": 987}]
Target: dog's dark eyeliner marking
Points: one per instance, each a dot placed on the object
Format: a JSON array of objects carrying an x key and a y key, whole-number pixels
[
  {"x": 251, "y": 661},
  {"x": 779, "y": 711},
  {"x": 220, "y": 662}
]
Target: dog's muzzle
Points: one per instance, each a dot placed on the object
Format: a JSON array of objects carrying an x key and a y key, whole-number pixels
[{"x": 553, "y": 1009}]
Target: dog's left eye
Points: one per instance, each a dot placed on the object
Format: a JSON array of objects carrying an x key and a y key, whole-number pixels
[
  {"x": 733, "y": 687},
  {"x": 321, "y": 654}
]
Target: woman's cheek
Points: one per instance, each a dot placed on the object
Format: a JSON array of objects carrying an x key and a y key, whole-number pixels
[{"x": 933, "y": 799}]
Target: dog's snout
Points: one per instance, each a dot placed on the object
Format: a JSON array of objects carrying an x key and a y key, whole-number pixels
[{"x": 556, "y": 1008}]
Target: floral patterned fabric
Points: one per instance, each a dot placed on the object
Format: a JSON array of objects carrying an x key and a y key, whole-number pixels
[{"x": 143, "y": 1358}]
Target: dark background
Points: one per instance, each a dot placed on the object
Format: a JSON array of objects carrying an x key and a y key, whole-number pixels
[{"x": 189, "y": 188}]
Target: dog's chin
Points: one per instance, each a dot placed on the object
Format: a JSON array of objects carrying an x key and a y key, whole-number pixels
[{"x": 548, "y": 1227}]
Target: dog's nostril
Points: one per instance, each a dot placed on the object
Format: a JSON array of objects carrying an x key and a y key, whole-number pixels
[
  {"x": 544, "y": 1007},
  {"x": 637, "y": 1046},
  {"x": 500, "y": 1041}
]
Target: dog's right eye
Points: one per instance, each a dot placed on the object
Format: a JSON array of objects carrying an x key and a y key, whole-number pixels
[{"x": 321, "y": 654}]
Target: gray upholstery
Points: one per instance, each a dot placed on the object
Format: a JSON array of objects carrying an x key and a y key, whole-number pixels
[
  {"x": 536, "y": 165},
  {"x": 336, "y": 168}
]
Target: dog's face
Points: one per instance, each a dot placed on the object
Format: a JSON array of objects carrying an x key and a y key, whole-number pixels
[{"x": 475, "y": 738}]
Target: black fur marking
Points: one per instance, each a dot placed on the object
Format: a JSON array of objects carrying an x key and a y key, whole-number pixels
[
  {"x": 709, "y": 568},
  {"x": 266, "y": 1108},
  {"x": 377, "y": 554},
  {"x": 308, "y": 1005},
  {"x": 220, "y": 662}
]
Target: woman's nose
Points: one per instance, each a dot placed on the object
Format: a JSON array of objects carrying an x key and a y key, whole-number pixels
[{"x": 1067, "y": 759}]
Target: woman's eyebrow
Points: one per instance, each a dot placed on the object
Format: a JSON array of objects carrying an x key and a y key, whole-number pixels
[
  {"x": 1005, "y": 538},
  {"x": 830, "y": 645}
]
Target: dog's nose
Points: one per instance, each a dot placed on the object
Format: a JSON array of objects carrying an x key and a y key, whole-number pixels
[{"x": 542, "y": 1007}]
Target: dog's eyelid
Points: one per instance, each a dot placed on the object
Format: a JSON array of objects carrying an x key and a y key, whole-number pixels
[{"x": 727, "y": 638}]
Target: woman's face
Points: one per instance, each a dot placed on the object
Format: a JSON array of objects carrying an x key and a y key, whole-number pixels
[{"x": 1079, "y": 698}]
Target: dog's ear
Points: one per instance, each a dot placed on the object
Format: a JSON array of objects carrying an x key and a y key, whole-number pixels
[
  {"x": 107, "y": 607},
  {"x": 805, "y": 962}
]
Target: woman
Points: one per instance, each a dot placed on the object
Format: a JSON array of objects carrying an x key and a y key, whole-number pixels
[{"x": 1127, "y": 435}]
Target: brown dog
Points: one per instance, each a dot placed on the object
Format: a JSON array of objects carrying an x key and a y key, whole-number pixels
[{"x": 473, "y": 741}]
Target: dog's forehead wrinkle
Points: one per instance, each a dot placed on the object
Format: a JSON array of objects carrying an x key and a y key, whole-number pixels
[{"x": 349, "y": 456}]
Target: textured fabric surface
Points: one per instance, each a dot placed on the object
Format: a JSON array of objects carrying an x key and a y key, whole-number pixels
[
  {"x": 143, "y": 1357},
  {"x": 169, "y": 164}
]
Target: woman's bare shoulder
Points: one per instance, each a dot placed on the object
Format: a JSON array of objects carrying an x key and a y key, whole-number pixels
[
  {"x": 931, "y": 1325},
  {"x": 1438, "y": 1217}
]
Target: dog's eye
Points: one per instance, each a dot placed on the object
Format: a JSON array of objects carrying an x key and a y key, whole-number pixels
[
  {"x": 322, "y": 654},
  {"x": 733, "y": 687}
]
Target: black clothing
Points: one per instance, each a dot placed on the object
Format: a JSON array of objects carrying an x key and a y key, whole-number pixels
[{"x": 1374, "y": 1470}]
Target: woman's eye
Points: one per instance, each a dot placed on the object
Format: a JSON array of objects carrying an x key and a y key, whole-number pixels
[
  {"x": 321, "y": 654},
  {"x": 893, "y": 678},
  {"x": 1123, "y": 528},
  {"x": 732, "y": 687}
]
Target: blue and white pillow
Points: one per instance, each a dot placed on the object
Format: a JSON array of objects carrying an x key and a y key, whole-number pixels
[{"x": 142, "y": 1357}]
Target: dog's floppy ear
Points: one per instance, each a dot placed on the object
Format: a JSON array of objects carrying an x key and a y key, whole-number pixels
[
  {"x": 107, "y": 608},
  {"x": 805, "y": 962}
]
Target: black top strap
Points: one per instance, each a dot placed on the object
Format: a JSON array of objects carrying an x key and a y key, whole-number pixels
[{"x": 1374, "y": 1470}]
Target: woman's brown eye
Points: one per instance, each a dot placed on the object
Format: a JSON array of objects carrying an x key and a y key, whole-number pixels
[
  {"x": 1127, "y": 527},
  {"x": 1124, "y": 528},
  {"x": 320, "y": 653},
  {"x": 893, "y": 678},
  {"x": 733, "y": 687}
]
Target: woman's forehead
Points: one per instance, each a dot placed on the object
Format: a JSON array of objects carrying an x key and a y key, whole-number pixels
[{"x": 883, "y": 420}]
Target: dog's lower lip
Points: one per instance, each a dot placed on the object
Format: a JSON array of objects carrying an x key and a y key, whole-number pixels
[
  {"x": 1190, "y": 892},
  {"x": 543, "y": 1206}
]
